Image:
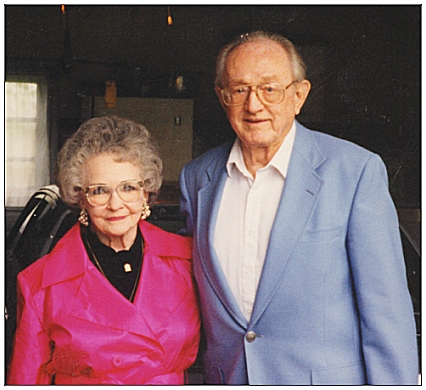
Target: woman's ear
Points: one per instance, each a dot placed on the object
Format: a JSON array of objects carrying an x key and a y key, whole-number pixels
[
  {"x": 146, "y": 196},
  {"x": 82, "y": 203}
]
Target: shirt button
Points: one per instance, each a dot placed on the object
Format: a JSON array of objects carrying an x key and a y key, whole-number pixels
[
  {"x": 250, "y": 336},
  {"x": 117, "y": 361}
]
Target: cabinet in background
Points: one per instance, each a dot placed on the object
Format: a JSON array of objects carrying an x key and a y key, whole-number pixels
[{"x": 168, "y": 120}]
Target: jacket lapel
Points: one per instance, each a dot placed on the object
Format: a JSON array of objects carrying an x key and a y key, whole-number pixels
[
  {"x": 209, "y": 198},
  {"x": 96, "y": 300},
  {"x": 299, "y": 197}
]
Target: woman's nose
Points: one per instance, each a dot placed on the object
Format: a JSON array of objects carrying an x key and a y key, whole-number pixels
[{"x": 115, "y": 201}]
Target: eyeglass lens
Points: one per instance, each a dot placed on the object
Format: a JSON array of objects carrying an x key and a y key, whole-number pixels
[
  {"x": 100, "y": 195},
  {"x": 270, "y": 93}
]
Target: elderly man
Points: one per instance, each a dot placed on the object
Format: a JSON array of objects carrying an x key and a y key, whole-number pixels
[{"x": 297, "y": 252}]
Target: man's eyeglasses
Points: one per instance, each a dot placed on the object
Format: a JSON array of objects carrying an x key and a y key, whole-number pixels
[
  {"x": 271, "y": 93},
  {"x": 128, "y": 191}
]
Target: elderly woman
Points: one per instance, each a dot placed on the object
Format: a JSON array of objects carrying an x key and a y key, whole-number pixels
[{"x": 114, "y": 302}]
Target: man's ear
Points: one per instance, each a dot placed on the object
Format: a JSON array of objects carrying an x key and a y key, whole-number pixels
[
  {"x": 302, "y": 93},
  {"x": 219, "y": 95}
]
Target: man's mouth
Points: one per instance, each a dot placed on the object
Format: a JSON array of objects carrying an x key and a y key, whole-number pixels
[{"x": 255, "y": 121}]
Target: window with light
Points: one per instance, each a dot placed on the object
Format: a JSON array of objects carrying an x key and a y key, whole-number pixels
[{"x": 26, "y": 140}]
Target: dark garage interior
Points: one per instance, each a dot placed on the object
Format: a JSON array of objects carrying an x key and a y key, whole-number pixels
[{"x": 363, "y": 62}]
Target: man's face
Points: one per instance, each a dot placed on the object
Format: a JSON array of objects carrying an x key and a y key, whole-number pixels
[{"x": 257, "y": 124}]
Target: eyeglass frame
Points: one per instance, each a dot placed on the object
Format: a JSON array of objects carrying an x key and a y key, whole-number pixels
[
  {"x": 86, "y": 191},
  {"x": 257, "y": 94}
]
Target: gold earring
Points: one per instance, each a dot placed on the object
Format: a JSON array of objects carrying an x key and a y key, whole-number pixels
[
  {"x": 84, "y": 217},
  {"x": 146, "y": 212}
]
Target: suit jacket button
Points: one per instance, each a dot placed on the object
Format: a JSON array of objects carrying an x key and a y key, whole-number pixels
[{"x": 250, "y": 336}]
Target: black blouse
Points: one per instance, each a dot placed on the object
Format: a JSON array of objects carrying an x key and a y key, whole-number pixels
[{"x": 122, "y": 268}]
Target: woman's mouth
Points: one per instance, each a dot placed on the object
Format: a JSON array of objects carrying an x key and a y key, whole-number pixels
[{"x": 115, "y": 219}]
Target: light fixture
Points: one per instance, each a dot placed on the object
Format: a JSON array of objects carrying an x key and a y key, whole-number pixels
[
  {"x": 169, "y": 16},
  {"x": 66, "y": 56},
  {"x": 110, "y": 94}
]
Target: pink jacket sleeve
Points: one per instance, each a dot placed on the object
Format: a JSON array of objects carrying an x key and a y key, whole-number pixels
[{"x": 31, "y": 350}]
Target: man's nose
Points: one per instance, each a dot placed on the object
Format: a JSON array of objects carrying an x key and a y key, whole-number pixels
[{"x": 253, "y": 103}]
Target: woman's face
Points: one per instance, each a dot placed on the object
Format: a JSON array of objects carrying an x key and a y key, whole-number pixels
[{"x": 115, "y": 223}]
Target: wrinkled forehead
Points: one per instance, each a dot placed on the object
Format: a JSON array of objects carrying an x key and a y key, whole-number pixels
[
  {"x": 106, "y": 168},
  {"x": 260, "y": 61}
]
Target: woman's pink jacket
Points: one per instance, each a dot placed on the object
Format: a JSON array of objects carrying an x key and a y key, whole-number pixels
[{"x": 74, "y": 325}]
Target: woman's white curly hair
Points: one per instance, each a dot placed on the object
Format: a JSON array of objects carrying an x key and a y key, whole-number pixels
[{"x": 127, "y": 140}]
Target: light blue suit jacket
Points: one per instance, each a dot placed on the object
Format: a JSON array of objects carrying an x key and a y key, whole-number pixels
[{"x": 332, "y": 306}]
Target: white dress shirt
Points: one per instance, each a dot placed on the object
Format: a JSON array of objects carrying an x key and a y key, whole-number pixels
[{"x": 246, "y": 215}]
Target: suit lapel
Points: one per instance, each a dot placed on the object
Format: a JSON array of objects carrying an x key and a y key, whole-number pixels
[
  {"x": 300, "y": 195},
  {"x": 209, "y": 198}
]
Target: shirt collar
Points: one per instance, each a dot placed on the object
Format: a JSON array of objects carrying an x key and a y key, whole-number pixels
[
  {"x": 280, "y": 160},
  {"x": 69, "y": 258}
]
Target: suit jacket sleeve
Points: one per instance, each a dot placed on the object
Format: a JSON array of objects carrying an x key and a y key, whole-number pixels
[
  {"x": 185, "y": 205},
  {"x": 31, "y": 349},
  {"x": 377, "y": 264}
]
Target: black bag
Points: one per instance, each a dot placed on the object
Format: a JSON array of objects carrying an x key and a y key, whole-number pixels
[{"x": 43, "y": 221}]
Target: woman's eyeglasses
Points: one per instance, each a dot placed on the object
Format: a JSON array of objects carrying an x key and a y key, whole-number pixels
[{"x": 128, "y": 191}]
